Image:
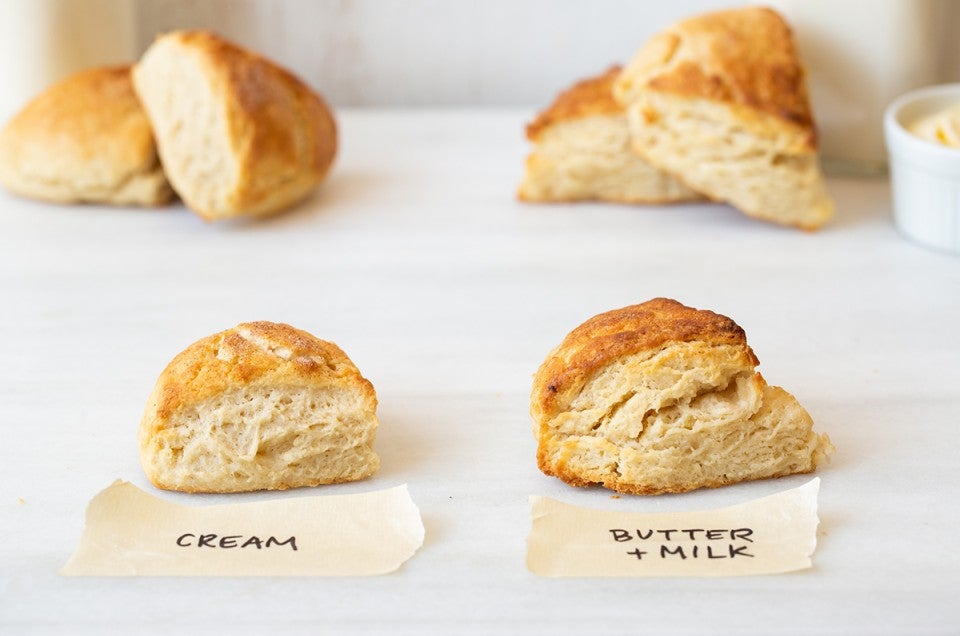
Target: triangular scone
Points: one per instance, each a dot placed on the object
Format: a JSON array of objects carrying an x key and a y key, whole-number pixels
[
  {"x": 582, "y": 152},
  {"x": 262, "y": 406},
  {"x": 658, "y": 398},
  {"x": 721, "y": 102},
  {"x": 85, "y": 139}
]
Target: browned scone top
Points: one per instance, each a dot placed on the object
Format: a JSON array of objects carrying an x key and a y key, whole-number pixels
[
  {"x": 262, "y": 353},
  {"x": 90, "y": 105},
  {"x": 745, "y": 57},
  {"x": 591, "y": 96},
  {"x": 609, "y": 336},
  {"x": 84, "y": 138},
  {"x": 254, "y": 87},
  {"x": 238, "y": 134}
]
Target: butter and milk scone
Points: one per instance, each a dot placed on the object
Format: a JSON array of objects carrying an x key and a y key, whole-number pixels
[
  {"x": 238, "y": 135},
  {"x": 85, "y": 139},
  {"x": 662, "y": 398},
  {"x": 582, "y": 152},
  {"x": 720, "y": 101},
  {"x": 261, "y": 406}
]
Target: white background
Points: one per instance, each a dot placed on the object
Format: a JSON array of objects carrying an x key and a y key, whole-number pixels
[{"x": 501, "y": 52}]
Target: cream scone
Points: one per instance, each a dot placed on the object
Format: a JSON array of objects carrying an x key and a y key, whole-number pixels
[
  {"x": 582, "y": 152},
  {"x": 85, "y": 139},
  {"x": 238, "y": 135},
  {"x": 661, "y": 398},
  {"x": 262, "y": 406},
  {"x": 720, "y": 101}
]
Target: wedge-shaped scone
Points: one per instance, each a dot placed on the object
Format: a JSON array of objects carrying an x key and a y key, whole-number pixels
[
  {"x": 84, "y": 140},
  {"x": 259, "y": 406},
  {"x": 238, "y": 135},
  {"x": 660, "y": 398},
  {"x": 720, "y": 101},
  {"x": 582, "y": 152}
]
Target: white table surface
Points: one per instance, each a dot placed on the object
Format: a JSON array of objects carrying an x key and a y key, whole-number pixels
[{"x": 447, "y": 293}]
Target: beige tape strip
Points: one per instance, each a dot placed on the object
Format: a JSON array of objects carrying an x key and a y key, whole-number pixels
[
  {"x": 764, "y": 536},
  {"x": 132, "y": 533}
]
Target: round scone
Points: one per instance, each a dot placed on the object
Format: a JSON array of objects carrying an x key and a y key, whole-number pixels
[
  {"x": 84, "y": 140},
  {"x": 262, "y": 406},
  {"x": 659, "y": 398},
  {"x": 238, "y": 135}
]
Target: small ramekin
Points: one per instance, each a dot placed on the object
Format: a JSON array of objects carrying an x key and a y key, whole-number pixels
[{"x": 925, "y": 175}]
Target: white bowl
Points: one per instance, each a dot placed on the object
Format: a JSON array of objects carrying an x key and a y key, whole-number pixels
[{"x": 925, "y": 175}]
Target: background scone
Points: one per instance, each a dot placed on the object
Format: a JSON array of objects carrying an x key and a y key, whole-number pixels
[
  {"x": 259, "y": 406},
  {"x": 582, "y": 151},
  {"x": 720, "y": 101},
  {"x": 659, "y": 397},
  {"x": 238, "y": 135},
  {"x": 84, "y": 140}
]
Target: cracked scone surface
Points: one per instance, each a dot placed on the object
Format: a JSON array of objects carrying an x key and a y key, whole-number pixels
[
  {"x": 262, "y": 406},
  {"x": 659, "y": 398},
  {"x": 84, "y": 139}
]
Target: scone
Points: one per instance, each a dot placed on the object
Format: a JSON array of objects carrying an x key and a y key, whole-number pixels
[
  {"x": 582, "y": 152},
  {"x": 720, "y": 101},
  {"x": 237, "y": 134},
  {"x": 661, "y": 398},
  {"x": 84, "y": 140},
  {"x": 260, "y": 406}
]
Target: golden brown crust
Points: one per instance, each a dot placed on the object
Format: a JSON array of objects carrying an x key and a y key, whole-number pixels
[
  {"x": 621, "y": 332},
  {"x": 85, "y": 109},
  {"x": 282, "y": 134},
  {"x": 250, "y": 353},
  {"x": 743, "y": 57},
  {"x": 254, "y": 87},
  {"x": 85, "y": 137},
  {"x": 591, "y": 96}
]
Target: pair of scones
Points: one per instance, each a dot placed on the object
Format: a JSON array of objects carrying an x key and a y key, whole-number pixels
[
  {"x": 648, "y": 399},
  {"x": 229, "y": 131},
  {"x": 714, "y": 107}
]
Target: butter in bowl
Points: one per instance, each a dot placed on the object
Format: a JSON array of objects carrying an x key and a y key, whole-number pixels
[{"x": 922, "y": 131}]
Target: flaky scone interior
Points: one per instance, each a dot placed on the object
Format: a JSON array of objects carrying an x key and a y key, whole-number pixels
[
  {"x": 720, "y": 101},
  {"x": 662, "y": 398}
]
